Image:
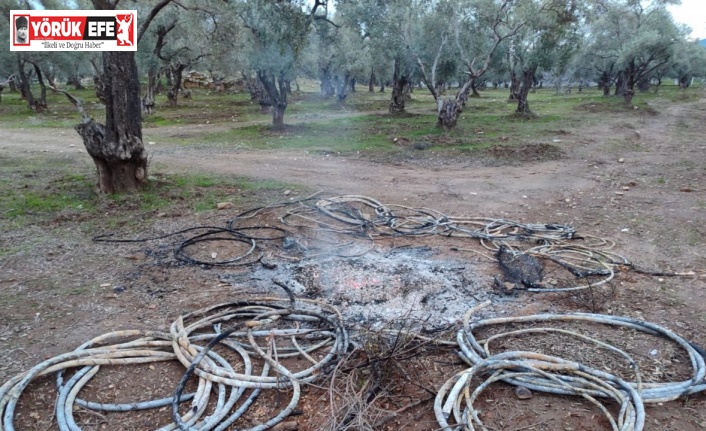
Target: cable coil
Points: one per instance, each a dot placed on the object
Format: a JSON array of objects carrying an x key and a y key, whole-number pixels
[{"x": 304, "y": 328}]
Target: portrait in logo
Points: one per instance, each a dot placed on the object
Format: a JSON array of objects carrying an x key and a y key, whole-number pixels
[
  {"x": 21, "y": 30},
  {"x": 125, "y": 29}
]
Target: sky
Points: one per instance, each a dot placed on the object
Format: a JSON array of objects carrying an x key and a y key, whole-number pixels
[{"x": 693, "y": 14}]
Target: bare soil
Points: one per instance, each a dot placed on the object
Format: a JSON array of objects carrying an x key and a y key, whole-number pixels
[{"x": 638, "y": 179}]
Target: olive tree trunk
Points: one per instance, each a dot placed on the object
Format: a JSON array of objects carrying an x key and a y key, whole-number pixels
[
  {"x": 116, "y": 148},
  {"x": 514, "y": 87},
  {"x": 342, "y": 86},
  {"x": 327, "y": 86},
  {"x": 148, "y": 101},
  {"x": 277, "y": 91},
  {"x": 628, "y": 91},
  {"x": 37, "y": 105},
  {"x": 399, "y": 90},
  {"x": 525, "y": 84},
  {"x": 177, "y": 72}
]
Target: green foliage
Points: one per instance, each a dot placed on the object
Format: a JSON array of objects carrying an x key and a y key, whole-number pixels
[{"x": 631, "y": 39}]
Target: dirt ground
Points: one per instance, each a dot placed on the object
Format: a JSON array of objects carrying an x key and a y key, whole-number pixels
[{"x": 638, "y": 179}]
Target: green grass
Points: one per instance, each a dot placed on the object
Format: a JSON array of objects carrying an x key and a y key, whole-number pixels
[
  {"x": 360, "y": 125},
  {"x": 33, "y": 191}
]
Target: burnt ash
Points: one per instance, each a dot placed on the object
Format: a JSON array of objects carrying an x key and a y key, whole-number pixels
[{"x": 403, "y": 286}]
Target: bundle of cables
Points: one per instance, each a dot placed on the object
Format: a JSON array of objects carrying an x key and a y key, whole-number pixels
[
  {"x": 554, "y": 375},
  {"x": 263, "y": 329}
]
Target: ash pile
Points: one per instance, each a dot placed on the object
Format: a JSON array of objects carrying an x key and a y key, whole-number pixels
[{"x": 380, "y": 288}]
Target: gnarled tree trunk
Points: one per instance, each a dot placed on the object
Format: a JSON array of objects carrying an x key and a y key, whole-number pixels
[
  {"x": 620, "y": 84},
  {"x": 399, "y": 90},
  {"x": 25, "y": 89},
  {"x": 526, "y": 84},
  {"x": 604, "y": 82},
  {"x": 148, "y": 100},
  {"x": 41, "y": 103},
  {"x": 12, "y": 82},
  {"x": 75, "y": 80},
  {"x": 447, "y": 113},
  {"x": 628, "y": 90},
  {"x": 98, "y": 81},
  {"x": 177, "y": 71},
  {"x": 342, "y": 88},
  {"x": 474, "y": 89},
  {"x": 328, "y": 89},
  {"x": 514, "y": 87},
  {"x": 685, "y": 81},
  {"x": 116, "y": 148},
  {"x": 277, "y": 92}
]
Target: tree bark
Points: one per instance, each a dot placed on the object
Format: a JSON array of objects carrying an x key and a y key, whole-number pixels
[
  {"x": 277, "y": 92},
  {"x": 525, "y": 85},
  {"x": 98, "y": 82},
  {"x": 514, "y": 87},
  {"x": 148, "y": 99},
  {"x": 620, "y": 84},
  {"x": 448, "y": 113},
  {"x": 13, "y": 85},
  {"x": 604, "y": 83},
  {"x": 278, "y": 116},
  {"x": 474, "y": 91},
  {"x": 24, "y": 84},
  {"x": 75, "y": 80},
  {"x": 116, "y": 148},
  {"x": 177, "y": 72},
  {"x": 685, "y": 81},
  {"x": 371, "y": 82},
  {"x": 41, "y": 104},
  {"x": 342, "y": 90},
  {"x": 327, "y": 86},
  {"x": 629, "y": 83},
  {"x": 258, "y": 93},
  {"x": 399, "y": 84}
]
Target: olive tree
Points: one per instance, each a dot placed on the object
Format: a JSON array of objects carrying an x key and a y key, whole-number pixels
[
  {"x": 384, "y": 25},
  {"x": 548, "y": 38},
  {"x": 632, "y": 38},
  {"x": 278, "y": 34},
  {"x": 116, "y": 147},
  {"x": 689, "y": 61},
  {"x": 476, "y": 31}
]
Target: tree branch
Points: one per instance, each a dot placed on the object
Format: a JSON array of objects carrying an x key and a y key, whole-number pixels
[
  {"x": 153, "y": 13},
  {"x": 77, "y": 103},
  {"x": 162, "y": 32}
]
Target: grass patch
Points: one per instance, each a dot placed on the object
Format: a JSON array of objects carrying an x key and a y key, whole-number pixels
[
  {"x": 32, "y": 191},
  {"x": 37, "y": 192},
  {"x": 360, "y": 125}
]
